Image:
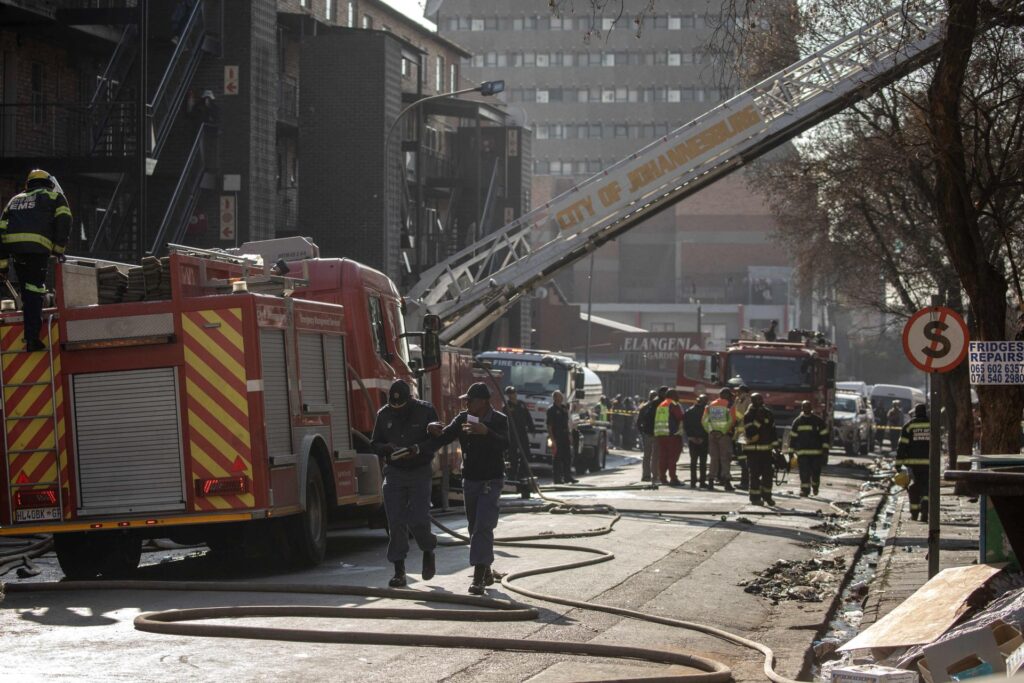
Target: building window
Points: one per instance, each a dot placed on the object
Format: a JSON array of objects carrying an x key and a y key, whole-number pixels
[
  {"x": 351, "y": 15},
  {"x": 439, "y": 74},
  {"x": 304, "y": 4},
  {"x": 675, "y": 59},
  {"x": 541, "y": 167},
  {"x": 36, "y": 95},
  {"x": 675, "y": 23},
  {"x": 542, "y": 59},
  {"x": 674, "y": 95},
  {"x": 608, "y": 59},
  {"x": 423, "y": 71},
  {"x": 367, "y": 21},
  {"x": 542, "y": 96},
  {"x": 662, "y": 327},
  {"x": 476, "y": 25},
  {"x": 453, "y": 76},
  {"x": 329, "y": 10}
]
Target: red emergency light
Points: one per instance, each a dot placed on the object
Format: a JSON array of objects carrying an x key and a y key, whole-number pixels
[
  {"x": 37, "y": 498},
  {"x": 222, "y": 487}
]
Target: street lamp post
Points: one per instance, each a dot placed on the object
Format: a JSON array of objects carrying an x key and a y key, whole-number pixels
[{"x": 487, "y": 89}]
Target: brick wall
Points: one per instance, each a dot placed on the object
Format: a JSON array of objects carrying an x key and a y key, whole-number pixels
[{"x": 347, "y": 201}]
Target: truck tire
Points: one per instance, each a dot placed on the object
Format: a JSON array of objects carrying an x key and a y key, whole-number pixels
[
  {"x": 121, "y": 555},
  {"x": 309, "y": 529},
  {"x": 77, "y": 556},
  {"x": 848, "y": 447},
  {"x": 85, "y": 556},
  {"x": 865, "y": 446}
]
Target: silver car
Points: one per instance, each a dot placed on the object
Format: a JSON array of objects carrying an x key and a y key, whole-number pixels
[{"x": 852, "y": 423}]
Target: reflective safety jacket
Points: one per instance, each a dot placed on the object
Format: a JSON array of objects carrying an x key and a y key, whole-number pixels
[
  {"x": 914, "y": 442},
  {"x": 37, "y": 221},
  {"x": 719, "y": 416},
  {"x": 809, "y": 435},
  {"x": 668, "y": 418},
  {"x": 759, "y": 428}
]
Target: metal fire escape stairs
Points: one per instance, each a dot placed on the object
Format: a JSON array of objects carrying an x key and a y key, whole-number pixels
[
  {"x": 163, "y": 109},
  {"x": 479, "y": 283}
]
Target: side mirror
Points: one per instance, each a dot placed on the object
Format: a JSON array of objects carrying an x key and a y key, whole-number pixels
[
  {"x": 579, "y": 378},
  {"x": 431, "y": 350}
]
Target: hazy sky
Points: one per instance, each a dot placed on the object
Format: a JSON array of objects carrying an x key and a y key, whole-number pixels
[{"x": 412, "y": 8}]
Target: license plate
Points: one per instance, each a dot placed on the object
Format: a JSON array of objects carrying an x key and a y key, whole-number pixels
[{"x": 36, "y": 514}]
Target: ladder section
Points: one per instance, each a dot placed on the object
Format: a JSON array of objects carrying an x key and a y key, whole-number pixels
[
  {"x": 478, "y": 284},
  {"x": 34, "y": 438}
]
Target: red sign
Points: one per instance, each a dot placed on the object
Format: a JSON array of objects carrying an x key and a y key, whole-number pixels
[{"x": 935, "y": 339}]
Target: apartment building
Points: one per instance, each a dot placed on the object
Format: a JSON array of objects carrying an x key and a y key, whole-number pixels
[{"x": 593, "y": 93}]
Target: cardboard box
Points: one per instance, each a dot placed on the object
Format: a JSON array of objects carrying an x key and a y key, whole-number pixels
[
  {"x": 968, "y": 653},
  {"x": 872, "y": 673}
]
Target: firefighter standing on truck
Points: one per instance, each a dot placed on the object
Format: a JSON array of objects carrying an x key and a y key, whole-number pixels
[
  {"x": 809, "y": 442},
  {"x": 35, "y": 224},
  {"x": 759, "y": 428},
  {"x": 912, "y": 453},
  {"x": 400, "y": 437}
]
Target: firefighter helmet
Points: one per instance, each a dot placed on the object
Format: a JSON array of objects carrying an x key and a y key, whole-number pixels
[
  {"x": 39, "y": 174},
  {"x": 901, "y": 479}
]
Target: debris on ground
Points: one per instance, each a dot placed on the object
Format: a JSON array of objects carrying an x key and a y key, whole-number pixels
[
  {"x": 829, "y": 527},
  {"x": 804, "y": 581}
]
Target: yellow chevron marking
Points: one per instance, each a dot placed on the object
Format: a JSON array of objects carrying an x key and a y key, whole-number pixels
[
  {"x": 29, "y": 399},
  {"x": 27, "y": 436},
  {"x": 199, "y": 366},
  {"x": 217, "y": 442},
  {"x": 240, "y": 431},
  {"x": 230, "y": 364},
  {"x": 229, "y": 333}
]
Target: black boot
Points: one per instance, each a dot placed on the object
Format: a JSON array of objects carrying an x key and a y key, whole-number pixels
[
  {"x": 398, "y": 580},
  {"x": 479, "y": 577},
  {"x": 489, "y": 577},
  {"x": 428, "y": 565}
]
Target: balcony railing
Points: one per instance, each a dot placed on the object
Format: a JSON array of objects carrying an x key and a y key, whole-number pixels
[
  {"x": 183, "y": 199},
  {"x": 61, "y": 129},
  {"x": 166, "y": 102}
]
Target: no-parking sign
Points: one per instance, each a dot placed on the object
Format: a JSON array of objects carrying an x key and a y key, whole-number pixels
[{"x": 935, "y": 339}]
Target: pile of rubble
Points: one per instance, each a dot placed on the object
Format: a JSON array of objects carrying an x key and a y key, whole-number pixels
[{"x": 805, "y": 581}]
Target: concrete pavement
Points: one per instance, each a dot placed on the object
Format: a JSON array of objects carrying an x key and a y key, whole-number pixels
[{"x": 678, "y": 565}]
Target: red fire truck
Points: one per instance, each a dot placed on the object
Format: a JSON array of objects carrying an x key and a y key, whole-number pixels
[
  {"x": 785, "y": 373},
  {"x": 204, "y": 414}
]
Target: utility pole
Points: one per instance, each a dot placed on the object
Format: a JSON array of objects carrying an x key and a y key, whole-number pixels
[
  {"x": 590, "y": 306},
  {"x": 934, "y": 463}
]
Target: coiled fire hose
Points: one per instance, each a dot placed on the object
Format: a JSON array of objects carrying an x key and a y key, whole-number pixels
[{"x": 18, "y": 553}]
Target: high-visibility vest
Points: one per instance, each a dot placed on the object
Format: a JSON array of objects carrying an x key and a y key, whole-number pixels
[
  {"x": 662, "y": 418},
  {"x": 719, "y": 417}
]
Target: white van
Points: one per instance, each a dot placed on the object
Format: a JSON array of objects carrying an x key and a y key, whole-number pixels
[
  {"x": 882, "y": 396},
  {"x": 859, "y": 388}
]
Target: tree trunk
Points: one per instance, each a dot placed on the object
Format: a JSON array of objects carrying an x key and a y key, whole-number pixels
[
  {"x": 960, "y": 418},
  {"x": 984, "y": 282}
]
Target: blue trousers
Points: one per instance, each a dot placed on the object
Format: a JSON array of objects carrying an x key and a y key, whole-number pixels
[
  {"x": 482, "y": 513},
  {"x": 407, "y": 502}
]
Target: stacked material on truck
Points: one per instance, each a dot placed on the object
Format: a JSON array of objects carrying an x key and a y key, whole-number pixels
[
  {"x": 112, "y": 284},
  {"x": 150, "y": 281}
]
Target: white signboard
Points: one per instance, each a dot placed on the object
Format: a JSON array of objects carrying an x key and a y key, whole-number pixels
[
  {"x": 996, "y": 362},
  {"x": 231, "y": 79},
  {"x": 227, "y": 217}
]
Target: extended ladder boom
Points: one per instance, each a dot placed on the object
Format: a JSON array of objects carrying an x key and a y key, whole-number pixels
[{"x": 478, "y": 284}]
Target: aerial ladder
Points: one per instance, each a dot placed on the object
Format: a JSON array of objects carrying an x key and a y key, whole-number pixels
[{"x": 475, "y": 286}]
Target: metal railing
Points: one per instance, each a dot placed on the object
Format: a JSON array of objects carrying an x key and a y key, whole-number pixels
[
  {"x": 118, "y": 217},
  {"x": 186, "y": 193},
  {"x": 107, "y": 110},
  {"x": 167, "y": 99},
  {"x": 65, "y": 129}
]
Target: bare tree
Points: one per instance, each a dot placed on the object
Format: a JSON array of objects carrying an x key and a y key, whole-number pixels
[{"x": 921, "y": 182}]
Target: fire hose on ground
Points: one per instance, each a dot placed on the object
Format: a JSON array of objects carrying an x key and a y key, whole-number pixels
[{"x": 183, "y": 622}]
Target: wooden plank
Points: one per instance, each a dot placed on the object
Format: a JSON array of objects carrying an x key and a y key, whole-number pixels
[{"x": 929, "y": 612}]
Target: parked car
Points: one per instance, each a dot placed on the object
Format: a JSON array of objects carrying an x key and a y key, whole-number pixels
[{"x": 852, "y": 423}]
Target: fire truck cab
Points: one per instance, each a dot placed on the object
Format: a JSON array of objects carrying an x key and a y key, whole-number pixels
[
  {"x": 230, "y": 400},
  {"x": 536, "y": 375},
  {"x": 785, "y": 373}
]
